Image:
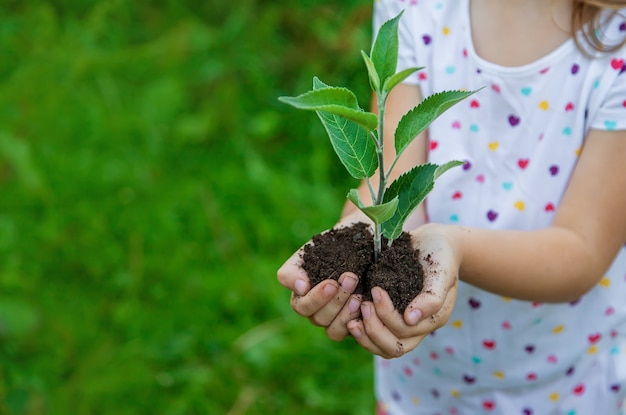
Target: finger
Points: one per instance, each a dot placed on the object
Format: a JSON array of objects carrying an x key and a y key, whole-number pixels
[
  {"x": 315, "y": 299},
  {"x": 291, "y": 275},
  {"x": 338, "y": 329},
  {"x": 357, "y": 330},
  {"x": 440, "y": 318},
  {"x": 438, "y": 281},
  {"x": 391, "y": 318},
  {"x": 326, "y": 314},
  {"x": 382, "y": 338}
]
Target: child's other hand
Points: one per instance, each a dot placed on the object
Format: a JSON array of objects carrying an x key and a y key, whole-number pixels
[
  {"x": 383, "y": 330},
  {"x": 330, "y": 304}
]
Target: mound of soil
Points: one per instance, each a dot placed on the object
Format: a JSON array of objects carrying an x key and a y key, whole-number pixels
[{"x": 338, "y": 250}]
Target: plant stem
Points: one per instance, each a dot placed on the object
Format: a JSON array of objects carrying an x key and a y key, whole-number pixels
[
  {"x": 382, "y": 183},
  {"x": 377, "y": 241}
]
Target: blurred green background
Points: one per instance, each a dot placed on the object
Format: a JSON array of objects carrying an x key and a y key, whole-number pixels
[{"x": 150, "y": 186}]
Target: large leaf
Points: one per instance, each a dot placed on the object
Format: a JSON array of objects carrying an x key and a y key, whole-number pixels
[
  {"x": 385, "y": 49},
  {"x": 334, "y": 100},
  {"x": 411, "y": 189},
  {"x": 377, "y": 213},
  {"x": 420, "y": 117},
  {"x": 353, "y": 145}
]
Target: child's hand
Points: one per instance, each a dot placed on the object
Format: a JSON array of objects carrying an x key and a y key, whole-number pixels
[
  {"x": 330, "y": 304},
  {"x": 383, "y": 330}
]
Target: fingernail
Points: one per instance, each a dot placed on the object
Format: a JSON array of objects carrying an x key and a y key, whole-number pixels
[
  {"x": 365, "y": 311},
  {"x": 300, "y": 287},
  {"x": 376, "y": 296},
  {"x": 414, "y": 316},
  {"x": 353, "y": 305},
  {"x": 330, "y": 289},
  {"x": 348, "y": 283}
]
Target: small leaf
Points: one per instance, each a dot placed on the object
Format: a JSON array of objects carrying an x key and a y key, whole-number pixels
[
  {"x": 377, "y": 213},
  {"x": 371, "y": 71},
  {"x": 338, "y": 101},
  {"x": 385, "y": 49},
  {"x": 420, "y": 117},
  {"x": 398, "y": 78},
  {"x": 412, "y": 188},
  {"x": 352, "y": 144},
  {"x": 447, "y": 166}
]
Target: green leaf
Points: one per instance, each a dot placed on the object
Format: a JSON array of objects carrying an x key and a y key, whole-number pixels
[
  {"x": 377, "y": 213},
  {"x": 447, "y": 166},
  {"x": 371, "y": 71},
  {"x": 399, "y": 77},
  {"x": 352, "y": 144},
  {"x": 420, "y": 117},
  {"x": 385, "y": 49},
  {"x": 335, "y": 100},
  {"x": 411, "y": 189}
]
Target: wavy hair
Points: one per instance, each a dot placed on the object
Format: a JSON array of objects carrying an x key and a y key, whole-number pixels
[{"x": 586, "y": 18}]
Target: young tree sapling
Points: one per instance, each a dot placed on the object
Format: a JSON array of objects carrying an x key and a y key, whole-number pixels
[{"x": 357, "y": 135}]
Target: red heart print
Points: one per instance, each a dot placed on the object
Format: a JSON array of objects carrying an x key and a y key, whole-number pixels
[
  {"x": 489, "y": 344},
  {"x": 434, "y": 356},
  {"x": 434, "y": 144},
  {"x": 496, "y": 88},
  {"x": 422, "y": 76},
  {"x": 550, "y": 208},
  {"x": 594, "y": 338},
  {"x": 506, "y": 325},
  {"x": 489, "y": 405},
  {"x": 579, "y": 389},
  {"x": 474, "y": 103},
  {"x": 523, "y": 163},
  {"x": 617, "y": 63},
  {"x": 531, "y": 376},
  {"x": 457, "y": 195},
  {"x": 408, "y": 371},
  {"x": 569, "y": 106}
]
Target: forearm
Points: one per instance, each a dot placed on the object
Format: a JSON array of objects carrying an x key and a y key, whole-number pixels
[{"x": 554, "y": 264}]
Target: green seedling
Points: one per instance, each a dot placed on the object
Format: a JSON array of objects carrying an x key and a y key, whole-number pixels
[{"x": 357, "y": 135}]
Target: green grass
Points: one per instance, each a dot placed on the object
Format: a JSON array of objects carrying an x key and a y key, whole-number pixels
[{"x": 150, "y": 186}]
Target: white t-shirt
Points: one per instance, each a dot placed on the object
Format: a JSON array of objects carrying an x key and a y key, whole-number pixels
[{"x": 520, "y": 137}]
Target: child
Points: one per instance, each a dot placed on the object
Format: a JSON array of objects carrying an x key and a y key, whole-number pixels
[{"x": 527, "y": 293}]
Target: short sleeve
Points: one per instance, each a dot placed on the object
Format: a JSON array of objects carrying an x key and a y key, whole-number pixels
[
  {"x": 385, "y": 10},
  {"x": 611, "y": 114},
  {"x": 611, "y": 111}
]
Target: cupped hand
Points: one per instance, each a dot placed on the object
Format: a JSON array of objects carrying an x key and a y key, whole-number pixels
[
  {"x": 382, "y": 330},
  {"x": 330, "y": 304}
]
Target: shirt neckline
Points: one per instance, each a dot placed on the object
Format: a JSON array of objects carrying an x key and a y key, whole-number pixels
[{"x": 539, "y": 65}]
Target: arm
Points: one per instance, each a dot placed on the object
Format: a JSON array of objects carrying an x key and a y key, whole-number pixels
[
  {"x": 331, "y": 304},
  {"x": 556, "y": 264},
  {"x": 564, "y": 261}
]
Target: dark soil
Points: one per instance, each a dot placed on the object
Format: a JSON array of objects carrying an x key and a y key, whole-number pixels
[{"x": 338, "y": 250}]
